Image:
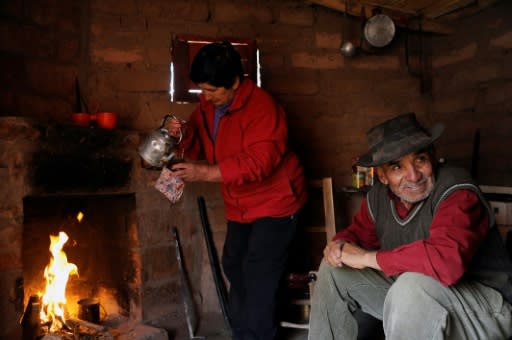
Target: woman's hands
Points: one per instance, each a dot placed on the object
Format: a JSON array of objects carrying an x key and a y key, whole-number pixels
[
  {"x": 175, "y": 127},
  {"x": 193, "y": 172}
]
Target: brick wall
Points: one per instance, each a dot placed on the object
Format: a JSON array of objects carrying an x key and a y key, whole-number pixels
[
  {"x": 472, "y": 90},
  {"x": 41, "y": 55},
  {"x": 121, "y": 53}
]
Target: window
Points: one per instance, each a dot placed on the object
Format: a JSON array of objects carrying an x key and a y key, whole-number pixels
[{"x": 184, "y": 48}]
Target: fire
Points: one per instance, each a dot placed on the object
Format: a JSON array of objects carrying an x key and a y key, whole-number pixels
[{"x": 56, "y": 273}]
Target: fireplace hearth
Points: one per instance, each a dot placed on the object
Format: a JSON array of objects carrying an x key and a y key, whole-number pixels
[
  {"x": 122, "y": 247},
  {"x": 103, "y": 245}
]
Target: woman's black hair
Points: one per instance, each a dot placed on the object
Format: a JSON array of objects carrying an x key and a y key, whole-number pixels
[{"x": 217, "y": 64}]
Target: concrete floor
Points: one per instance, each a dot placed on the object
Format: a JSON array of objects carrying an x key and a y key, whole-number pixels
[
  {"x": 285, "y": 334},
  {"x": 213, "y": 328},
  {"x": 295, "y": 334}
]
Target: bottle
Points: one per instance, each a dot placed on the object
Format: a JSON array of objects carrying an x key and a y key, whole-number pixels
[{"x": 358, "y": 174}]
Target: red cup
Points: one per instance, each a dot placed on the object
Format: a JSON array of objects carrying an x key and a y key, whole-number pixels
[
  {"x": 106, "y": 120},
  {"x": 81, "y": 118}
]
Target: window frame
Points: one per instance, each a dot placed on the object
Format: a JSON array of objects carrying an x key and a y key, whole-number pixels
[{"x": 184, "y": 48}]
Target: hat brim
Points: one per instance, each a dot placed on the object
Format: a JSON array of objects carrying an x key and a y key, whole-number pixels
[{"x": 371, "y": 158}]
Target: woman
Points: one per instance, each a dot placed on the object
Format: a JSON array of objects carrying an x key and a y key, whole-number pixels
[{"x": 242, "y": 133}]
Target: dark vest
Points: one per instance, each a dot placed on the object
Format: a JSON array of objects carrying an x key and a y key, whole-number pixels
[{"x": 491, "y": 264}]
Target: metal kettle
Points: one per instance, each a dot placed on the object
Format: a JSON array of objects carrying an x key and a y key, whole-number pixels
[{"x": 159, "y": 147}]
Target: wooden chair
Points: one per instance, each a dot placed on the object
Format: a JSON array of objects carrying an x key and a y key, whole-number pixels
[{"x": 329, "y": 227}]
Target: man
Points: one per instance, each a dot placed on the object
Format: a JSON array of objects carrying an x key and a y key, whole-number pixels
[{"x": 423, "y": 253}]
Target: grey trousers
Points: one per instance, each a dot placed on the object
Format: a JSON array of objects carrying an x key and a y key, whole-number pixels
[{"x": 412, "y": 306}]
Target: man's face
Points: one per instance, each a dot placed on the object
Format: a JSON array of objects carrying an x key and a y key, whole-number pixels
[
  {"x": 218, "y": 96},
  {"x": 410, "y": 177}
]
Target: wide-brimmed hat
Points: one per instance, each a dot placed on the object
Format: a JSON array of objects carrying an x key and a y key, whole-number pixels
[{"x": 397, "y": 137}]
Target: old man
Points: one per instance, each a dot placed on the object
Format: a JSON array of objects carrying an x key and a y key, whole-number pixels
[{"x": 423, "y": 253}]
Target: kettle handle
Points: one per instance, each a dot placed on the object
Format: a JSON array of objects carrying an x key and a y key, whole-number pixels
[{"x": 164, "y": 121}]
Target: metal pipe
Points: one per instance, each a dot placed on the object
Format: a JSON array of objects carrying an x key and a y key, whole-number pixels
[{"x": 214, "y": 262}]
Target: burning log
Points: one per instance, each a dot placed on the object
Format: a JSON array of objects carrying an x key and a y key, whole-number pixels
[
  {"x": 86, "y": 326},
  {"x": 80, "y": 330}
]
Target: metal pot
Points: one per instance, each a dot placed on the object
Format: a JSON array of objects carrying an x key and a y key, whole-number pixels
[
  {"x": 159, "y": 147},
  {"x": 348, "y": 49},
  {"x": 379, "y": 30},
  {"x": 89, "y": 310}
]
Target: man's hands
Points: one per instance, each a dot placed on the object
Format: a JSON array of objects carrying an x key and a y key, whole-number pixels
[
  {"x": 332, "y": 252},
  {"x": 338, "y": 253}
]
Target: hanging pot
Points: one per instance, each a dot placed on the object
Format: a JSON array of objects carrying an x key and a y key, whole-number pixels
[
  {"x": 379, "y": 30},
  {"x": 348, "y": 49}
]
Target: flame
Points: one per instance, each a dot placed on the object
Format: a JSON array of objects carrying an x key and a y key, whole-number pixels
[
  {"x": 80, "y": 216},
  {"x": 56, "y": 274}
]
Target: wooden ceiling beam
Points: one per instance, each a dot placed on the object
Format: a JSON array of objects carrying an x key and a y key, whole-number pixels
[
  {"x": 399, "y": 17},
  {"x": 444, "y": 7},
  {"x": 391, "y": 6},
  {"x": 468, "y": 11},
  {"x": 338, "y": 5}
]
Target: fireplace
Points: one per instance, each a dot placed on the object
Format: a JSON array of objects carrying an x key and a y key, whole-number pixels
[
  {"x": 123, "y": 246},
  {"x": 102, "y": 244}
]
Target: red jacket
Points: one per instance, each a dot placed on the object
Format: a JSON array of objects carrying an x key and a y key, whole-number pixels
[{"x": 261, "y": 177}]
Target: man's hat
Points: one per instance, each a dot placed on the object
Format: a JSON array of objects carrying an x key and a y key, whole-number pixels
[{"x": 397, "y": 137}]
